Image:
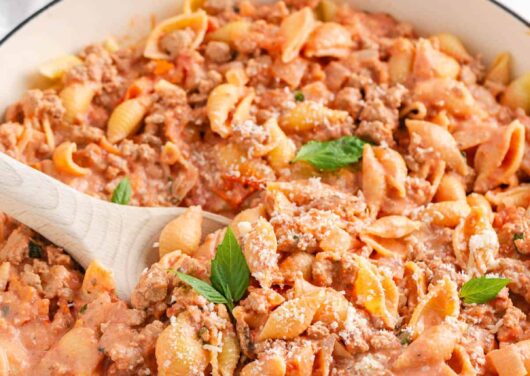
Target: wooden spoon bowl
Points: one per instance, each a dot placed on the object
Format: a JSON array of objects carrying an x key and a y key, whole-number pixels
[{"x": 120, "y": 237}]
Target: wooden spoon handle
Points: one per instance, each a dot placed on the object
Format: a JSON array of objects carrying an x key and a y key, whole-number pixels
[
  {"x": 119, "y": 237},
  {"x": 51, "y": 208}
]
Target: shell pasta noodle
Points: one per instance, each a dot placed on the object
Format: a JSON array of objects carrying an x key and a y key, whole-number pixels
[
  {"x": 188, "y": 29},
  {"x": 64, "y": 162},
  {"x": 377, "y": 183}
]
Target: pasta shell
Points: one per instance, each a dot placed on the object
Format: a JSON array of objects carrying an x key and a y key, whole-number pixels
[
  {"x": 441, "y": 302},
  {"x": 517, "y": 94},
  {"x": 111, "y": 44},
  {"x": 229, "y": 157},
  {"x": 64, "y": 162},
  {"x": 430, "y": 62},
  {"x": 243, "y": 221},
  {"x": 401, "y": 59},
  {"x": 510, "y": 360},
  {"x": 433, "y": 347},
  {"x": 477, "y": 200},
  {"x": 97, "y": 280},
  {"x": 260, "y": 250},
  {"x": 242, "y": 111},
  {"x": 415, "y": 282},
  {"x": 325, "y": 357},
  {"x": 191, "y": 6},
  {"x": 236, "y": 76},
  {"x": 303, "y": 288},
  {"x": 454, "y": 95},
  {"x": 516, "y": 196},
  {"x": 395, "y": 169},
  {"x": 393, "y": 226},
  {"x": 451, "y": 188},
  {"x": 292, "y": 73},
  {"x": 197, "y": 22},
  {"x": 497, "y": 160},
  {"x": 183, "y": 233},
  {"x": 301, "y": 359},
  {"x": 432, "y": 172},
  {"x": 461, "y": 361},
  {"x": 385, "y": 247},
  {"x": 76, "y": 99},
  {"x": 446, "y": 213},
  {"x": 334, "y": 308},
  {"x": 417, "y": 111},
  {"x": 55, "y": 68},
  {"x": 473, "y": 134},
  {"x": 179, "y": 351},
  {"x": 126, "y": 119},
  {"x": 373, "y": 180},
  {"x": 308, "y": 114},
  {"x": 230, "y": 32},
  {"x": 475, "y": 243},
  {"x": 108, "y": 147},
  {"x": 376, "y": 292},
  {"x": 170, "y": 153},
  {"x": 328, "y": 39},
  {"x": 48, "y": 133},
  {"x": 500, "y": 70},
  {"x": 336, "y": 240},
  {"x": 273, "y": 365},
  {"x": 4, "y": 363},
  {"x": 76, "y": 353},
  {"x": 442, "y": 141},
  {"x": 285, "y": 149},
  {"x": 294, "y": 31},
  {"x": 296, "y": 264},
  {"x": 291, "y": 318},
  {"x": 207, "y": 250},
  {"x": 452, "y": 46},
  {"x": 229, "y": 356},
  {"x": 5, "y": 268},
  {"x": 222, "y": 101}
]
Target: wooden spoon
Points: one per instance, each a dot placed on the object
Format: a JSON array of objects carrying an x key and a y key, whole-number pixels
[{"x": 120, "y": 237}]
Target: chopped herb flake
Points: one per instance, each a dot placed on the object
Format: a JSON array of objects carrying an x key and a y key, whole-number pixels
[
  {"x": 404, "y": 337},
  {"x": 5, "y": 310},
  {"x": 35, "y": 250},
  {"x": 517, "y": 236},
  {"x": 204, "y": 334},
  {"x": 299, "y": 96}
]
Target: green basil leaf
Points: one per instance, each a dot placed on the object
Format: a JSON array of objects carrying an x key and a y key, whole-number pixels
[
  {"x": 122, "y": 193},
  {"x": 230, "y": 273},
  {"x": 482, "y": 290},
  {"x": 202, "y": 288},
  {"x": 331, "y": 155}
]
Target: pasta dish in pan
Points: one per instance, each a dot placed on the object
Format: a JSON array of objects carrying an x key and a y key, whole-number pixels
[{"x": 378, "y": 181}]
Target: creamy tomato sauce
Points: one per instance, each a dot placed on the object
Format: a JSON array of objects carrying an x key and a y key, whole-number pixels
[{"x": 356, "y": 269}]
